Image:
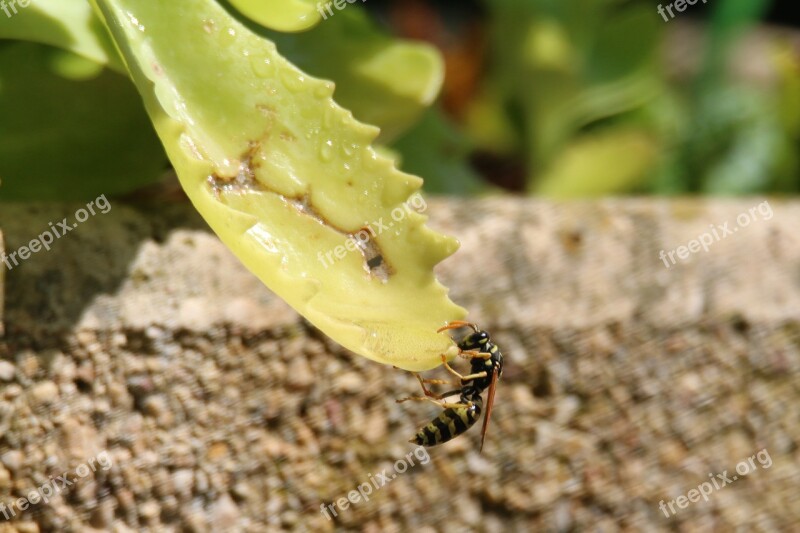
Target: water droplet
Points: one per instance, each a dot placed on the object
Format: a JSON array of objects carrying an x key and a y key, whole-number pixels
[
  {"x": 262, "y": 66},
  {"x": 326, "y": 152},
  {"x": 324, "y": 90},
  {"x": 312, "y": 133},
  {"x": 227, "y": 37},
  {"x": 260, "y": 234},
  {"x": 370, "y": 159},
  {"x": 134, "y": 21},
  {"x": 293, "y": 80},
  {"x": 329, "y": 117}
]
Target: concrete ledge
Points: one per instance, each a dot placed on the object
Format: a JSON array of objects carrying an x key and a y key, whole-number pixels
[{"x": 627, "y": 381}]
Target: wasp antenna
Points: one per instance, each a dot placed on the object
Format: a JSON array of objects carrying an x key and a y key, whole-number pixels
[{"x": 455, "y": 324}]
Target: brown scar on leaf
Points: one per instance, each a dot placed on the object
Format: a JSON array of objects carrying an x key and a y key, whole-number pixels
[
  {"x": 266, "y": 110},
  {"x": 374, "y": 261},
  {"x": 287, "y": 135}
]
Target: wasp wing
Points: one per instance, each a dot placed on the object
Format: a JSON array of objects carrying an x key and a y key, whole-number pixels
[{"x": 489, "y": 403}]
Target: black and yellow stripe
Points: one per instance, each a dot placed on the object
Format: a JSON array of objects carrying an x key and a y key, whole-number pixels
[
  {"x": 486, "y": 367},
  {"x": 450, "y": 423}
]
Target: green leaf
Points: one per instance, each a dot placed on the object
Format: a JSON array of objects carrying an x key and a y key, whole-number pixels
[
  {"x": 68, "y": 125},
  {"x": 67, "y": 24},
  {"x": 281, "y": 15},
  {"x": 285, "y": 176},
  {"x": 562, "y": 66},
  {"x": 383, "y": 81},
  {"x": 599, "y": 164},
  {"x": 434, "y": 148}
]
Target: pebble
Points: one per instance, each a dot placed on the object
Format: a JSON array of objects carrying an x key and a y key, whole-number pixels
[
  {"x": 225, "y": 514},
  {"x": 27, "y": 527},
  {"x": 300, "y": 374},
  {"x": 12, "y": 391},
  {"x": 29, "y": 364},
  {"x": 44, "y": 393},
  {"x": 566, "y": 409},
  {"x": 349, "y": 382},
  {"x": 85, "y": 373},
  {"x": 149, "y": 509},
  {"x": 5, "y": 478},
  {"x": 12, "y": 460},
  {"x": 183, "y": 481},
  {"x": 7, "y": 371},
  {"x": 217, "y": 451}
]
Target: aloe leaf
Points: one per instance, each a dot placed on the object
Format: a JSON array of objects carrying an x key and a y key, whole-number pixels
[
  {"x": 384, "y": 81},
  {"x": 284, "y": 176},
  {"x": 598, "y": 164},
  {"x": 67, "y": 24},
  {"x": 64, "y": 122},
  {"x": 281, "y": 15}
]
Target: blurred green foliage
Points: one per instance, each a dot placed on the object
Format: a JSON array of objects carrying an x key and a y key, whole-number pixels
[
  {"x": 74, "y": 133},
  {"x": 579, "y": 92},
  {"x": 579, "y": 89}
]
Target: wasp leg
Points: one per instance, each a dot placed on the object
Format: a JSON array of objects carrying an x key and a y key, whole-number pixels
[
  {"x": 428, "y": 392},
  {"x": 462, "y": 378},
  {"x": 473, "y": 354},
  {"x": 442, "y": 404},
  {"x": 441, "y": 381}
]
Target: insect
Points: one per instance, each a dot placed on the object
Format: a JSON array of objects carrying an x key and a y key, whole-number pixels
[{"x": 486, "y": 367}]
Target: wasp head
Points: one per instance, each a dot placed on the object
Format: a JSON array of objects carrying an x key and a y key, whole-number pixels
[{"x": 475, "y": 341}]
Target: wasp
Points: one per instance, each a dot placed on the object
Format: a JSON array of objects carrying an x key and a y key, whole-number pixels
[{"x": 486, "y": 367}]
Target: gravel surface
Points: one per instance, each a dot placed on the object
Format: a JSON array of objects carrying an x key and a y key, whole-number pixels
[{"x": 139, "y": 353}]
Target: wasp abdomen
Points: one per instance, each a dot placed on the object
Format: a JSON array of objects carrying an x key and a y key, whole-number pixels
[{"x": 450, "y": 423}]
